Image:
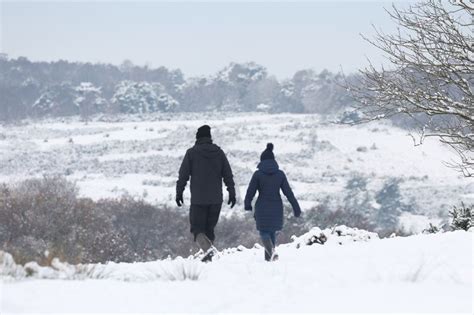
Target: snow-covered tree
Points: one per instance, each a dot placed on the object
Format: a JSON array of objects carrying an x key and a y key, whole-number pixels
[
  {"x": 89, "y": 99},
  {"x": 237, "y": 87},
  {"x": 430, "y": 77},
  {"x": 262, "y": 92},
  {"x": 320, "y": 92},
  {"x": 462, "y": 217},
  {"x": 166, "y": 103},
  {"x": 56, "y": 100},
  {"x": 287, "y": 99},
  {"x": 135, "y": 97},
  {"x": 358, "y": 202},
  {"x": 246, "y": 85},
  {"x": 389, "y": 205}
]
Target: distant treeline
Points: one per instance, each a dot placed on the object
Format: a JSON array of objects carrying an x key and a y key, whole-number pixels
[{"x": 62, "y": 88}]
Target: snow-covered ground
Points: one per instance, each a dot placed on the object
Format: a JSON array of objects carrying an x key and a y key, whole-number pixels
[
  {"x": 140, "y": 155},
  {"x": 354, "y": 272}
]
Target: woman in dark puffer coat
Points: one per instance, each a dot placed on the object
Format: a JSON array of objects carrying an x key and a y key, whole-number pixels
[{"x": 268, "y": 180}]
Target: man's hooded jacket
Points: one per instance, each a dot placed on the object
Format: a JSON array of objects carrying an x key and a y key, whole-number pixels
[{"x": 207, "y": 165}]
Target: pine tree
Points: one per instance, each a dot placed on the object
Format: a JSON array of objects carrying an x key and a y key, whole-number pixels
[
  {"x": 390, "y": 206},
  {"x": 358, "y": 200},
  {"x": 462, "y": 218}
]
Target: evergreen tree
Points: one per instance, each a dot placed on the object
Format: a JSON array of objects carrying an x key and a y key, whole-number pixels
[
  {"x": 390, "y": 206},
  {"x": 358, "y": 202},
  {"x": 89, "y": 99},
  {"x": 462, "y": 218}
]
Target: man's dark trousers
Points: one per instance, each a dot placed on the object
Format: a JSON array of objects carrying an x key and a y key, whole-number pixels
[{"x": 203, "y": 219}]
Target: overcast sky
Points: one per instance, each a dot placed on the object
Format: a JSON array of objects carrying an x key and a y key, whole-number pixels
[{"x": 199, "y": 38}]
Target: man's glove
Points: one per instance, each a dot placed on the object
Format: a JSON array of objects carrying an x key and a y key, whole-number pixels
[
  {"x": 179, "y": 200},
  {"x": 232, "y": 200}
]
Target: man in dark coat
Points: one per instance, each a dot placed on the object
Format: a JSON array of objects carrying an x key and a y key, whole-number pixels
[
  {"x": 268, "y": 180},
  {"x": 207, "y": 165}
]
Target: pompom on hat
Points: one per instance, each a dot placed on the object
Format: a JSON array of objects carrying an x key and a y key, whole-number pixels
[{"x": 267, "y": 154}]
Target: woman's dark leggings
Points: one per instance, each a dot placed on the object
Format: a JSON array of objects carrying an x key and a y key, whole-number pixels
[{"x": 268, "y": 234}]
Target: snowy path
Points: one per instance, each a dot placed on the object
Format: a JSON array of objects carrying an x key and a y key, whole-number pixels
[{"x": 424, "y": 273}]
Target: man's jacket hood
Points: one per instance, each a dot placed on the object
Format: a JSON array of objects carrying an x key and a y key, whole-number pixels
[{"x": 206, "y": 148}]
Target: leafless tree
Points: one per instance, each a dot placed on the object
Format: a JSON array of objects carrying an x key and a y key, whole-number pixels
[{"x": 430, "y": 77}]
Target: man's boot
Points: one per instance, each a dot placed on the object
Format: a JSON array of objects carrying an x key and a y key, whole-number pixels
[
  {"x": 268, "y": 245},
  {"x": 203, "y": 242},
  {"x": 206, "y": 245}
]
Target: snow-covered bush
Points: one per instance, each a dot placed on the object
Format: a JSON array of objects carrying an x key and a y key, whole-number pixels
[
  {"x": 432, "y": 229},
  {"x": 338, "y": 235},
  {"x": 8, "y": 267},
  {"x": 349, "y": 116},
  {"x": 462, "y": 217},
  {"x": 43, "y": 219},
  {"x": 181, "y": 270},
  {"x": 325, "y": 217}
]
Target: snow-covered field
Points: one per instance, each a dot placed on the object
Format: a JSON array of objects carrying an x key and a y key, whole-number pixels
[
  {"x": 140, "y": 155},
  {"x": 355, "y": 272}
]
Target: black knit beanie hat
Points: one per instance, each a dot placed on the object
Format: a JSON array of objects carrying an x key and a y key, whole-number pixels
[
  {"x": 203, "y": 131},
  {"x": 267, "y": 154}
]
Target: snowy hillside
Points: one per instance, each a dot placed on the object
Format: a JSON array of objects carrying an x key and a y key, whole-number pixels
[
  {"x": 140, "y": 155},
  {"x": 353, "y": 271}
]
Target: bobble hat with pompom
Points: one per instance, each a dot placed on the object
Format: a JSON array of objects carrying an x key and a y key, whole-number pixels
[{"x": 267, "y": 154}]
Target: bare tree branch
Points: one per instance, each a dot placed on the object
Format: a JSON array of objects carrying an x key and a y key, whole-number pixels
[{"x": 431, "y": 75}]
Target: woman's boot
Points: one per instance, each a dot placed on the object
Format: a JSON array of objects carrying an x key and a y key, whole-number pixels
[
  {"x": 274, "y": 255},
  {"x": 268, "y": 245}
]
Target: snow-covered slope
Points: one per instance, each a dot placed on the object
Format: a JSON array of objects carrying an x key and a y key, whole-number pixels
[
  {"x": 141, "y": 155},
  {"x": 354, "y": 272}
]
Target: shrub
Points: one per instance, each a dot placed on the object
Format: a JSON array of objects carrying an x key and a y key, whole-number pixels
[
  {"x": 181, "y": 270},
  {"x": 44, "y": 218},
  {"x": 462, "y": 217},
  {"x": 432, "y": 229}
]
